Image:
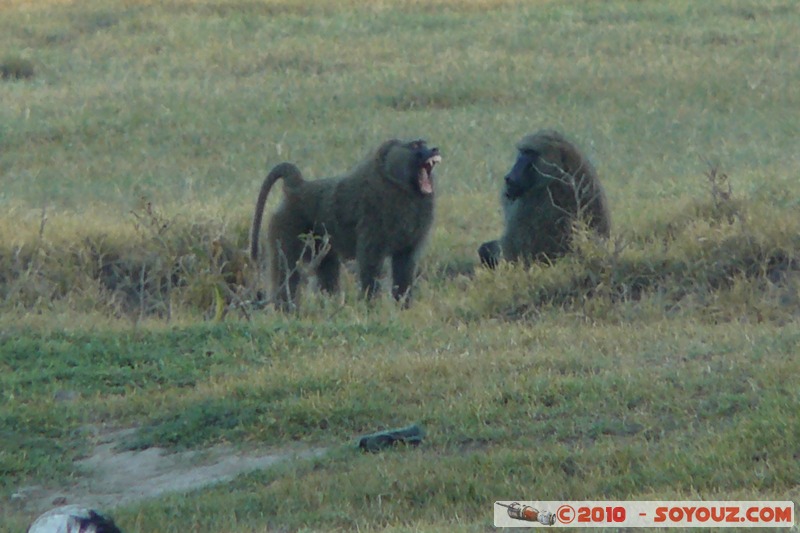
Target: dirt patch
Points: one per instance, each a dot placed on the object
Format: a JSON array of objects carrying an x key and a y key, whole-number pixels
[{"x": 112, "y": 478}]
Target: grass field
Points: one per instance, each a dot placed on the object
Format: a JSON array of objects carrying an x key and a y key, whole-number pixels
[{"x": 662, "y": 364}]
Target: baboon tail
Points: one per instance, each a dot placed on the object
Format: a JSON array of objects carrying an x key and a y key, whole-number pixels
[{"x": 292, "y": 178}]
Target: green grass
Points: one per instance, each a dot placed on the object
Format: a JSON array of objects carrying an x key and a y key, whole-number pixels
[{"x": 658, "y": 365}]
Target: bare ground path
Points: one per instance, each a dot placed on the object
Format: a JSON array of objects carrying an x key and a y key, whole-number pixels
[{"x": 112, "y": 478}]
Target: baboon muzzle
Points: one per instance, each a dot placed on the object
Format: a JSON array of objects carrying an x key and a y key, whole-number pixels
[
  {"x": 516, "y": 183},
  {"x": 430, "y": 157},
  {"x": 513, "y": 188}
]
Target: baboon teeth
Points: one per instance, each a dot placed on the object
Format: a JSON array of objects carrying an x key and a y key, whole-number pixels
[
  {"x": 433, "y": 160},
  {"x": 429, "y": 163},
  {"x": 425, "y": 183}
]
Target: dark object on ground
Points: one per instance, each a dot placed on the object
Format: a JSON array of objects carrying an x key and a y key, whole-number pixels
[
  {"x": 73, "y": 519},
  {"x": 411, "y": 435},
  {"x": 15, "y": 68}
]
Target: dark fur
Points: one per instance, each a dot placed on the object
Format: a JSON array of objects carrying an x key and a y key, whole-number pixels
[
  {"x": 73, "y": 518},
  {"x": 100, "y": 523},
  {"x": 378, "y": 210},
  {"x": 549, "y": 187}
]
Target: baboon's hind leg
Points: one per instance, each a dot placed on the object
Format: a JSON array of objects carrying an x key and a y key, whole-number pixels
[
  {"x": 370, "y": 263},
  {"x": 285, "y": 275},
  {"x": 286, "y": 249}
]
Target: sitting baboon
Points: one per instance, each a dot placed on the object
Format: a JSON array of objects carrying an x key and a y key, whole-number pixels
[
  {"x": 549, "y": 187},
  {"x": 382, "y": 208}
]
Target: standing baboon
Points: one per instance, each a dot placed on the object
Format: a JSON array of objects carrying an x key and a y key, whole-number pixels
[
  {"x": 550, "y": 186},
  {"x": 382, "y": 208}
]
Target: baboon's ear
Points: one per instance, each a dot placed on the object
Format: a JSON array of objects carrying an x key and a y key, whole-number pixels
[{"x": 383, "y": 150}]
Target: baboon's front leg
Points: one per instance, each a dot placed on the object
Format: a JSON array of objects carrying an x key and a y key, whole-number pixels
[{"x": 404, "y": 266}]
